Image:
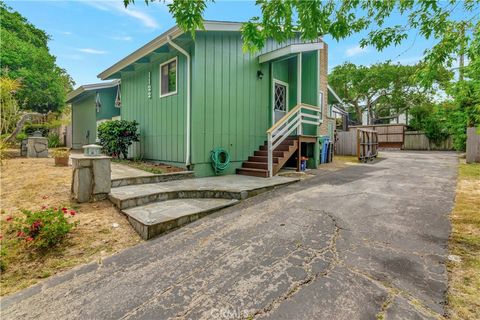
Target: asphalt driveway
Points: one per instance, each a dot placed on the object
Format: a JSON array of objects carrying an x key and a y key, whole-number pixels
[{"x": 364, "y": 242}]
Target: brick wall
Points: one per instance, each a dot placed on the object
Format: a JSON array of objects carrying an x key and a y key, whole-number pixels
[{"x": 323, "y": 87}]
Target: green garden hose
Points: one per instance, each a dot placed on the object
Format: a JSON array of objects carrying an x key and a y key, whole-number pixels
[{"x": 220, "y": 159}]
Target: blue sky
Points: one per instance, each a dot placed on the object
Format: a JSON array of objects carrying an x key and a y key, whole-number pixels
[{"x": 89, "y": 36}]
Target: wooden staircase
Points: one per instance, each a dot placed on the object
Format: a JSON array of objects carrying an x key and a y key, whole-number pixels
[{"x": 257, "y": 165}]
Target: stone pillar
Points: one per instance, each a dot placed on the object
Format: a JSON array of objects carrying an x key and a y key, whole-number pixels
[
  {"x": 37, "y": 147},
  {"x": 91, "y": 178}
]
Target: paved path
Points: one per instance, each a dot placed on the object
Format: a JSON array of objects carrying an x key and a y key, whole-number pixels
[{"x": 364, "y": 242}]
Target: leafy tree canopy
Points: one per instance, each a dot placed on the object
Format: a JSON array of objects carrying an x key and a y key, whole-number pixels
[
  {"x": 25, "y": 56},
  {"x": 280, "y": 19},
  {"x": 384, "y": 90}
]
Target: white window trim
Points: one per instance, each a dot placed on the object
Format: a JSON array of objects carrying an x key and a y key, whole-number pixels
[
  {"x": 273, "y": 97},
  {"x": 320, "y": 101},
  {"x": 176, "y": 79}
]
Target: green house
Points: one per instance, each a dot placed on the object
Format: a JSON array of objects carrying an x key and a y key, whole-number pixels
[
  {"x": 191, "y": 95},
  {"x": 92, "y": 104}
]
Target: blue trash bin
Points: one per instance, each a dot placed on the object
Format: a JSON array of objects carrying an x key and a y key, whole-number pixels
[{"x": 324, "y": 155}]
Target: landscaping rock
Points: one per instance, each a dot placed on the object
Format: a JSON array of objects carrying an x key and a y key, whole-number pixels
[{"x": 37, "y": 147}]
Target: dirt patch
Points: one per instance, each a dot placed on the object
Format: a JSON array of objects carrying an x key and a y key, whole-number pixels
[
  {"x": 32, "y": 183},
  {"x": 150, "y": 166},
  {"x": 464, "y": 245}
]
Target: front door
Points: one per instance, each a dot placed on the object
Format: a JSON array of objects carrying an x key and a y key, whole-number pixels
[{"x": 280, "y": 99}]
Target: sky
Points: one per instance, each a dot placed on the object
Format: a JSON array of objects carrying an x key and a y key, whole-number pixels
[{"x": 87, "y": 37}]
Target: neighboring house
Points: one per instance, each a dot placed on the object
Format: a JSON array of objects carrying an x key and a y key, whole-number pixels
[
  {"x": 193, "y": 95},
  {"x": 92, "y": 104}
]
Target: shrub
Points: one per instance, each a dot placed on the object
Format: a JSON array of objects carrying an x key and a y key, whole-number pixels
[
  {"x": 60, "y": 153},
  {"x": 21, "y": 136},
  {"x": 44, "y": 228},
  {"x": 53, "y": 140},
  {"x": 32, "y": 127},
  {"x": 116, "y": 136}
]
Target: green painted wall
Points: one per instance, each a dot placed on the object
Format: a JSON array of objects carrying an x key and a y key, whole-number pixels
[
  {"x": 83, "y": 120},
  {"x": 309, "y": 85},
  {"x": 231, "y": 106},
  {"x": 85, "y": 115},
  {"x": 162, "y": 120},
  {"x": 108, "y": 109}
]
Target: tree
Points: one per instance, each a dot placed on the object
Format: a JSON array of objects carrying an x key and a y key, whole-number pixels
[
  {"x": 280, "y": 19},
  {"x": 383, "y": 90},
  {"x": 25, "y": 56}
]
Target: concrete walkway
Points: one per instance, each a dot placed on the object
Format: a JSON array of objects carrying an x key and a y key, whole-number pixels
[{"x": 364, "y": 242}]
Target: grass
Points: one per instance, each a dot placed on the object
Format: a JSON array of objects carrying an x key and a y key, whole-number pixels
[
  {"x": 464, "y": 277},
  {"x": 156, "y": 168},
  {"x": 30, "y": 183}
]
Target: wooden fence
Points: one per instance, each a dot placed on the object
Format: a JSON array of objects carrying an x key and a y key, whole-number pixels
[
  {"x": 417, "y": 140},
  {"x": 473, "y": 145},
  {"x": 390, "y": 136},
  {"x": 346, "y": 143}
]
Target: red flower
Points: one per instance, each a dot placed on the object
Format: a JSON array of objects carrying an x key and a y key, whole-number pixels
[
  {"x": 9, "y": 218},
  {"x": 55, "y": 209},
  {"x": 20, "y": 234},
  {"x": 28, "y": 239},
  {"x": 44, "y": 207},
  {"x": 73, "y": 212},
  {"x": 45, "y": 197},
  {"x": 1, "y": 237},
  {"x": 64, "y": 209}
]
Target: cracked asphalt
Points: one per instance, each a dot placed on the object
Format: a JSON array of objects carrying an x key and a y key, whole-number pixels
[{"x": 366, "y": 242}]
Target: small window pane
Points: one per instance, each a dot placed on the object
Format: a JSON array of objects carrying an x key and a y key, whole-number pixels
[{"x": 168, "y": 77}]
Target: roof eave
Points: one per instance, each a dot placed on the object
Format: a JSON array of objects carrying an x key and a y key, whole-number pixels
[{"x": 161, "y": 40}]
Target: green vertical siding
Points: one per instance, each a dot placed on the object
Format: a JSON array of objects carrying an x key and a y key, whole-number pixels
[
  {"x": 231, "y": 106},
  {"x": 161, "y": 120},
  {"x": 108, "y": 109},
  {"x": 83, "y": 121},
  {"x": 309, "y": 85}
]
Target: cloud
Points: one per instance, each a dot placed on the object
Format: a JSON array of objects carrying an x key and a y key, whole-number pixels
[
  {"x": 123, "y": 38},
  {"x": 118, "y": 7},
  {"x": 92, "y": 51},
  {"x": 355, "y": 50}
]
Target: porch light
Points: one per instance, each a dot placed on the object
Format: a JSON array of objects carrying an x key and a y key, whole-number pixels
[{"x": 260, "y": 74}]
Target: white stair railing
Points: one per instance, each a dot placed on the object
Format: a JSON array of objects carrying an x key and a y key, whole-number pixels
[{"x": 290, "y": 122}]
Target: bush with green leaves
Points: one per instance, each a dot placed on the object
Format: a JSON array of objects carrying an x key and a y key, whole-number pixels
[
  {"x": 117, "y": 135},
  {"x": 44, "y": 228}
]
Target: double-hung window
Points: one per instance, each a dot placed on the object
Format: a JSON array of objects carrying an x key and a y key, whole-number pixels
[{"x": 168, "y": 77}]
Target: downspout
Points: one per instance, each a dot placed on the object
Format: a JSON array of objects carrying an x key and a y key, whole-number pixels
[{"x": 187, "y": 55}]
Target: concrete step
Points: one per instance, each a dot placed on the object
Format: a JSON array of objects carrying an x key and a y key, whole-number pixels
[
  {"x": 222, "y": 187},
  {"x": 156, "y": 218},
  {"x": 152, "y": 178}
]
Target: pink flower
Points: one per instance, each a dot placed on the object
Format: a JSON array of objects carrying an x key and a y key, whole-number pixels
[
  {"x": 1, "y": 237},
  {"x": 44, "y": 207},
  {"x": 20, "y": 234},
  {"x": 28, "y": 239},
  {"x": 73, "y": 212},
  {"x": 9, "y": 218}
]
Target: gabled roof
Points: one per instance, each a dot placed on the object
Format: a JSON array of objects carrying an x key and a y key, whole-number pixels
[
  {"x": 161, "y": 40},
  {"x": 90, "y": 87}
]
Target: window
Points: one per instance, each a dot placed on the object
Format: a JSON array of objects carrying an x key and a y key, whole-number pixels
[
  {"x": 168, "y": 77},
  {"x": 280, "y": 97}
]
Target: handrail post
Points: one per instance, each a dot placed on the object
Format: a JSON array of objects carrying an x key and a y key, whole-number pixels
[{"x": 270, "y": 154}]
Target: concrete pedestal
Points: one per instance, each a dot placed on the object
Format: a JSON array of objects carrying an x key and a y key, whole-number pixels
[
  {"x": 91, "y": 179},
  {"x": 37, "y": 147}
]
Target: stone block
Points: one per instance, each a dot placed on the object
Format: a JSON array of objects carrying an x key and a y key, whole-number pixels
[
  {"x": 82, "y": 184},
  {"x": 37, "y": 147},
  {"x": 101, "y": 176}
]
